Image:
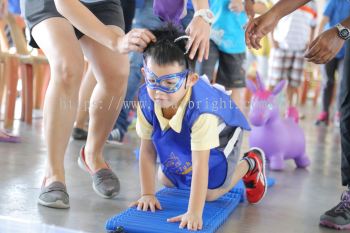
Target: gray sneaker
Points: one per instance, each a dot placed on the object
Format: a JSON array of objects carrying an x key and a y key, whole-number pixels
[
  {"x": 54, "y": 195},
  {"x": 339, "y": 216},
  {"x": 104, "y": 182}
]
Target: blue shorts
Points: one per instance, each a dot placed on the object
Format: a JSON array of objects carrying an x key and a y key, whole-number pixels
[{"x": 221, "y": 174}]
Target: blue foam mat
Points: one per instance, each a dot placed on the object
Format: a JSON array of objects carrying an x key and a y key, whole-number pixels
[{"x": 175, "y": 202}]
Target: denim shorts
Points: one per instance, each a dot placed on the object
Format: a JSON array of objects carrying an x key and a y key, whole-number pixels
[{"x": 109, "y": 12}]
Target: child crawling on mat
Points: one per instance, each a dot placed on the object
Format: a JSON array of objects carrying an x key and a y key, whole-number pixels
[{"x": 194, "y": 128}]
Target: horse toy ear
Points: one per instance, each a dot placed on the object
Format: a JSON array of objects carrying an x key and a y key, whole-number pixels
[
  {"x": 260, "y": 82},
  {"x": 251, "y": 86},
  {"x": 279, "y": 87}
]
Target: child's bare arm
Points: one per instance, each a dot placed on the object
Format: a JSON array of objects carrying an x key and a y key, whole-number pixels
[
  {"x": 147, "y": 165},
  {"x": 200, "y": 170}
]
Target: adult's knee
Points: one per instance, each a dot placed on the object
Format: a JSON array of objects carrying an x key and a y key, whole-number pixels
[
  {"x": 68, "y": 72},
  {"x": 116, "y": 80}
]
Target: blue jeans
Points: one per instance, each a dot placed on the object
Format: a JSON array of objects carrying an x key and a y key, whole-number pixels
[{"x": 144, "y": 18}]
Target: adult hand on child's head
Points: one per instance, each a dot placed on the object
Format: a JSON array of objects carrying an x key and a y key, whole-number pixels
[
  {"x": 193, "y": 221},
  {"x": 147, "y": 202},
  {"x": 199, "y": 32},
  {"x": 324, "y": 47},
  {"x": 258, "y": 27},
  {"x": 136, "y": 40}
]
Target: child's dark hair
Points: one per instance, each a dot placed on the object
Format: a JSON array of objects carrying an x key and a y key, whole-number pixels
[{"x": 166, "y": 51}]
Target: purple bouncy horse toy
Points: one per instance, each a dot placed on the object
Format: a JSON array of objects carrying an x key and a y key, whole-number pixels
[{"x": 280, "y": 139}]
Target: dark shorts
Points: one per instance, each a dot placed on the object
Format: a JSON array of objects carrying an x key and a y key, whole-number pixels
[
  {"x": 109, "y": 12},
  {"x": 231, "y": 71}
]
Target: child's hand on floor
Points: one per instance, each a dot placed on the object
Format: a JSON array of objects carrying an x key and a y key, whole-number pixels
[
  {"x": 193, "y": 221},
  {"x": 147, "y": 202}
]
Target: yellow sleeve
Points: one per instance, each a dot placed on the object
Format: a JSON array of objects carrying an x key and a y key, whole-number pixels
[
  {"x": 143, "y": 128},
  {"x": 205, "y": 133}
]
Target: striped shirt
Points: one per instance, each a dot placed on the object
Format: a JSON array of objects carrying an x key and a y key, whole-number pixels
[{"x": 293, "y": 31}]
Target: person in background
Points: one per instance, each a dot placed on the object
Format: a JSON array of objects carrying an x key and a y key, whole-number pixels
[
  {"x": 334, "y": 12},
  {"x": 227, "y": 47},
  {"x": 321, "y": 50},
  {"x": 260, "y": 56},
  {"x": 290, "y": 39}
]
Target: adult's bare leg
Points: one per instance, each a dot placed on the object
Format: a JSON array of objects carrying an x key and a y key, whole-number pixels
[{"x": 57, "y": 39}]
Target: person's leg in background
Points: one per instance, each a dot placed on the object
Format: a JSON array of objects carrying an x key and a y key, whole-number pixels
[
  {"x": 144, "y": 18},
  {"x": 87, "y": 86},
  {"x": 276, "y": 67},
  {"x": 295, "y": 63},
  {"x": 339, "y": 216},
  {"x": 328, "y": 73},
  {"x": 263, "y": 67},
  {"x": 122, "y": 123},
  {"x": 129, "y": 13},
  {"x": 207, "y": 67},
  {"x": 340, "y": 76},
  {"x": 231, "y": 74}
]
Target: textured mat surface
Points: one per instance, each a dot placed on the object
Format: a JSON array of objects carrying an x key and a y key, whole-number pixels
[{"x": 175, "y": 202}]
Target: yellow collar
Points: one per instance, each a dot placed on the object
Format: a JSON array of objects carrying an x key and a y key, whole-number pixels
[{"x": 176, "y": 121}]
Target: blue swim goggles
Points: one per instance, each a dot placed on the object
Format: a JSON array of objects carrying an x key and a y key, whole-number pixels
[{"x": 168, "y": 83}]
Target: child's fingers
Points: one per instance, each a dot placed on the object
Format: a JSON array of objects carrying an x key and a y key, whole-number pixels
[
  {"x": 183, "y": 224},
  {"x": 152, "y": 207},
  {"x": 190, "y": 225},
  {"x": 145, "y": 206},
  {"x": 196, "y": 226},
  {"x": 158, "y": 206},
  {"x": 132, "y": 204},
  {"x": 200, "y": 225},
  {"x": 139, "y": 206},
  {"x": 175, "y": 219}
]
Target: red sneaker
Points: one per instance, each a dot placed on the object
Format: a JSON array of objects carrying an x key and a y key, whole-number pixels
[{"x": 255, "y": 179}]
